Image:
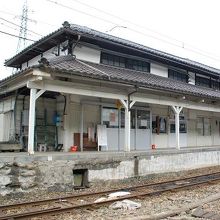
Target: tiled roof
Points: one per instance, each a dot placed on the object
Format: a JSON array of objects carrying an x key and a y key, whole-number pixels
[
  {"x": 85, "y": 30},
  {"x": 94, "y": 34},
  {"x": 70, "y": 65}
]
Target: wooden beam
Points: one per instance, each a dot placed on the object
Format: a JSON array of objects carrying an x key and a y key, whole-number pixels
[
  {"x": 162, "y": 100},
  {"x": 72, "y": 88}
]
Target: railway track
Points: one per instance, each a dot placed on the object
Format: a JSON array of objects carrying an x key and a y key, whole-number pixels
[{"x": 87, "y": 200}]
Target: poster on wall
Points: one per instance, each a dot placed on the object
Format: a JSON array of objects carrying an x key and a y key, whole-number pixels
[
  {"x": 110, "y": 117},
  {"x": 113, "y": 118}
]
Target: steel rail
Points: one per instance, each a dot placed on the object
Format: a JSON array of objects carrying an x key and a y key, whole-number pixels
[
  {"x": 92, "y": 204},
  {"x": 57, "y": 199}
]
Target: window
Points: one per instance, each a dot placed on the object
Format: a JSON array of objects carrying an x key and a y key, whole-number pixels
[
  {"x": 215, "y": 84},
  {"x": 123, "y": 62},
  {"x": 209, "y": 82},
  {"x": 178, "y": 75},
  {"x": 110, "y": 117},
  {"x": 202, "y": 81},
  {"x": 203, "y": 126},
  {"x": 159, "y": 124},
  {"x": 182, "y": 128},
  {"x": 143, "y": 119}
]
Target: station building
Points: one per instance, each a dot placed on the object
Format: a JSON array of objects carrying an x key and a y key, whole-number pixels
[
  {"x": 84, "y": 88},
  {"x": 87, "y": 103}
]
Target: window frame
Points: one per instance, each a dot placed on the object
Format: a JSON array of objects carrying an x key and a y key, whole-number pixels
[
  {"x": 206, "y": 126},
  {"x": 200, "y": 81},
  {"x": 124, "y": 62},
  {"x": 178, "y": 75}
]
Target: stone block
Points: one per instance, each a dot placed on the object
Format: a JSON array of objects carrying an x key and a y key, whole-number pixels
[
  {"x": 2, "y": 165},
  {"x": 26, "y": 173},
  {"x": 5, "y": 171},
  {"x": 27, "y": 182},
  {"x": 5, "y": 191},
  {"x": 4, "y": 180},
  {"x": 198, "y": 212}
]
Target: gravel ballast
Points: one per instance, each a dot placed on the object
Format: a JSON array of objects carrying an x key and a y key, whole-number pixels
[{"x": 149, "y": 205}]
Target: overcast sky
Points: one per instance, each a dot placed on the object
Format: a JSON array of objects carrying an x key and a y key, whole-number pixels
[{"x": 187, "y": 28}]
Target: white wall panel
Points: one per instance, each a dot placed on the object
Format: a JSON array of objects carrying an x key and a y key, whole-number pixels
[
  {"x": 1, "y": 127},
  {"x": 158, "y": 70},
  {"x": 87, "y": 54}
]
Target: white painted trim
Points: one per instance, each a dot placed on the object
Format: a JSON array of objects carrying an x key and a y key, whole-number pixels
[
  {"x": 127, "y": 143},
  {"x": 124, "y": 103},
  {"x": 154, "y": 99},
  {"x": 39, "y": 93},
  {"x": 177, "y": 110},
  {"x": 31, "y": 123},
  {"x": 132, "y": 103},
  {"x": 81, "y": 128},
  {"x": 71, "y": 88}
]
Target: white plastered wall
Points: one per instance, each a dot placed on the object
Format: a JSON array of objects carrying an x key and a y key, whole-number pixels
[
  {"x": 91, "y": 116},
  {"x": 159, "y": 69},
  {"x": 47, "y": 54},
  {"x": 163, "y": 140},
  {"x": 194, "y": 139},
  {"x": 6, "y": 118},
  {"x": 87, "y": 54},
  {"x": 191, "y": 138}
]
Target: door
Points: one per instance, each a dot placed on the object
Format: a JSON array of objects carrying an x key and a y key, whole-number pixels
[{"x": 143, "y": 131}]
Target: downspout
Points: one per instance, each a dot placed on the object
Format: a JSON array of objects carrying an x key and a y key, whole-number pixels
[
  {"x": 71, "y": 47},
  {"x": 129, "y": 97},
  {"x": 128, "y": 120},
  {"x": 78, "y": 39}
]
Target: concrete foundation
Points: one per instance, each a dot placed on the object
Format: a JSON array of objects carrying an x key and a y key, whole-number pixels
[{"x": 20, "y": 172}]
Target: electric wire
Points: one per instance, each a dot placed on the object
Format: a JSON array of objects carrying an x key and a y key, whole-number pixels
[
  {"x": 39, "y": 21},
  {"x": 182, "y": 43},
  {"x": 10, "y": 22},
  {"x": 125, "y": 20},
  {"x": 13, "y": 35},
  {"x": 178, "y": 43},
  {"x": 194, "y": 49}
]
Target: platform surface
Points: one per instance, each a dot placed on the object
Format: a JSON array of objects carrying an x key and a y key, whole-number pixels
[{"x": 46, "y": 156}]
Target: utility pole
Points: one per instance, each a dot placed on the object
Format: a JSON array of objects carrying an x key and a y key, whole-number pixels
[{"x": 23, "y": 28}]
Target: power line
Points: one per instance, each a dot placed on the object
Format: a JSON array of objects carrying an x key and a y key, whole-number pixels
[
  {"x": 106, "y": 20},
  {"x": 13, "y": 28},
  {"x": 10, "y": 22},
  {"x": 13, "y": 35},
  {"x": 183, "y": 45},
  {"x": 178, "y": 43},
  {"x": 82, "y": 12},
  {"x": 16, "y": 15},
  {"x": 127, "y": 21}
]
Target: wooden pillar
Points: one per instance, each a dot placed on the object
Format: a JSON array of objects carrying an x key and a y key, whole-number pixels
[
  {"x": 127, "y": 106},
  {"x": 81, "y": 128},
  {"x": 177, "y": 110},
  {"x": 31, "y": 124},
  {"x": 34, "y": 95},
  {"x": 67, "y": 135}
]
